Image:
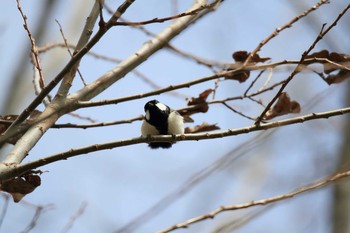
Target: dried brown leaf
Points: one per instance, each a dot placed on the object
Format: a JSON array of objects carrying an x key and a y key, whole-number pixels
[
  {"x": 338, "y": 78},
  {"x": 328, "y": 67},
  {"x": 320, "y": 54},
  {"x": 241, "y": 56},
  {"x": 240, "y": 77},
  {"x": 283, "y": 106},
  {"x": 202, "y": 98},
  {"x": 21, "y": 186},
  {"x": 197, "y": 105},
  {"x": 204, "y": 127}
]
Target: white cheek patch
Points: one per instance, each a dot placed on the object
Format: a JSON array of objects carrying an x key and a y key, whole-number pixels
[
  {"x": 147, "y": 115},
  {"x": 161, "y": 106}
]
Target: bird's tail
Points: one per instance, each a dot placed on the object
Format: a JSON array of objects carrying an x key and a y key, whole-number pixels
[{"x": 156, "y": 145}]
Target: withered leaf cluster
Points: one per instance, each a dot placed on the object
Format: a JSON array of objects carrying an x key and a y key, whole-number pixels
[
  {"x": 283, "y": 106},
  {"x": 21, "y": 186},
  {"x": 241, "y": 57},
  {"x": 331, "y": 62},
  {"x": 198, "y": 105}
]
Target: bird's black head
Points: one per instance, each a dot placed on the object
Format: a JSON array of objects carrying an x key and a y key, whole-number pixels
[{"x": 157, "y": 114}]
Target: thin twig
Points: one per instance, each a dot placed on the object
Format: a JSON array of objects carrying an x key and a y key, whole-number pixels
[
  {"x": 38, "y": 77},
  {"x": 161, "y": 20},
  {"x": 38, "y": 211},
  {"x": 237, "y": 112},
  {"x": 85, "y": 118},
  {"x": 34, "y": 50},
  {"x": 114, "y": 75},
  {"x": 302, "y": 59},
  {"x": 4, "y": 207},
  {"x": 285, "y": 26},
  {"x": 237, "y": 70},
  {"x": 34, "y": 104},
  {"x": 253, "y": 82},
  {"x": 34, "y": 220},
  {"x": 196, "y": 178},
  {"x": 98, "y": 124},
  {"x": 234, "y": 224},
  {"x": 137, "y": 73},
  {"x": 74, "y": 217},
  {"x": 164, "y": 90},
  {"x": 301, "y": 190},
  {"x": 67, "y": 47},
  {"x": 169, "y": 46}
]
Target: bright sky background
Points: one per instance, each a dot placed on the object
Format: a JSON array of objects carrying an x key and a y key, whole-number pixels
[{"x": 120, "y": 184}]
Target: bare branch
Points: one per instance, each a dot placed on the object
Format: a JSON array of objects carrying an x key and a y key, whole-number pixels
[
  {"x": 38, "y": 211},
  {"x": 74, "y": 218},
  {"x": 83, "y": 40},
  {"x": 53, "y": 111},
  {"x": 234, "y": 224},
  {"x": 208, "y": 63},
  {"x": 237, "y": 112},
  {"x": 302, "y": 59},
  {"x": 34, "y": 104},
  {"x": 221, "y": 162},
  {"x": 304, "y": 189},
  {"x": 34, "y": 50},
  {"x": 13, "y": 170},
  {"x": 4, "y": 207},
  {"x": 238, "y": 69},
  {"x": 67, "y": 46},
  {"x": 287, "y": 25},
  {"x": 161, "y": 20},
  {"x": 98, "y": 124},
  {"x": 148, "y": 49}
]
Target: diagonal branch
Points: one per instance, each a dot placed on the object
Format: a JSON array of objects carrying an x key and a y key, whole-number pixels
[
  {"x": 148, "y": 49},
  {"x": 301, "y": 190},
  {"x": 161, "y": 20},
  {"x": 74, "y": 60},
  {"x": 34, "y": 50},
  {"x": 83, "y": 40},
  {"x": 285, "y": 26},
  {"x": 300, "y": 64},
  {"x": 55, "y": 110},
  {"x": 124, "y": 67}
]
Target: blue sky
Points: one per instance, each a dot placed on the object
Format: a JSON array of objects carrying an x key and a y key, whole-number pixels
[{"x": 120, "y": 184}]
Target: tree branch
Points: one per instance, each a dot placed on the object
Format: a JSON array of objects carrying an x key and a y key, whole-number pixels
[
  {"x": 285, "y": 26},
  {"x": 83, "y": 40},
  {"x": 34, "y": 50},
  {"x": 162, "y": 20},
  {"x": 301, "y": 190},
  {"x": 75, "y": 59},
  {"x": 56, "y": 109},
  {"x": 148, "y": 49},
  {"x": 237, "y": 69},
  {"x": 13, "y": 170},
  {"x": 302, "y": 60}
]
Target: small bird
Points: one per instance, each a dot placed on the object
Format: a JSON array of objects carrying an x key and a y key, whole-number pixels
[{"x": 160, "y": 119}]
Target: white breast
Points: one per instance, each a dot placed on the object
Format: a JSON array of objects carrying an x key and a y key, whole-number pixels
[{"x": 175, "y": 123}]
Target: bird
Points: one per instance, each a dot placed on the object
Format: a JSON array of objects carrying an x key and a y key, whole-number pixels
[{"x": 160, "y": 119}]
